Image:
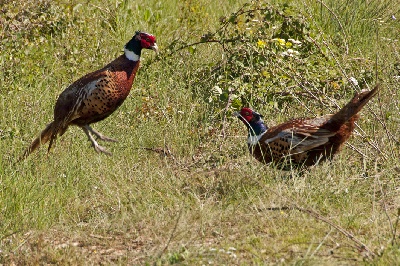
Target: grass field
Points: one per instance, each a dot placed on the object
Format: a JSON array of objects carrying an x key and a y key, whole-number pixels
[{"x": 203, "y": 199}]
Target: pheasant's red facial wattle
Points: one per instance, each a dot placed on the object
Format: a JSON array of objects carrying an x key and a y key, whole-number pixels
[
  {"x": 147, "y": 41},
  {"x": 246, "y": 113}
]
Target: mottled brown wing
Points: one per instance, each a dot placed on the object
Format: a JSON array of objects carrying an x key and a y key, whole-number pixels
[
  {"x": 296, "y": 137},
  {"x": 77, "y": 96}
]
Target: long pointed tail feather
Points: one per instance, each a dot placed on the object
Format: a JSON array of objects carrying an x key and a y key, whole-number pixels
[
  {"x": 46, "y": 134},
  {"x": 351, "y": 109}
]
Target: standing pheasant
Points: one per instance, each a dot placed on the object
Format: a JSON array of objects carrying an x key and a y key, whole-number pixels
[
  {"x": 304, "y": 141},
  {"x": 96, "y": 95}
]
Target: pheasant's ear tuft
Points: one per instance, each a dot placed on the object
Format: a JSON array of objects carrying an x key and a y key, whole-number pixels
[{"x": 257, "y": 114}]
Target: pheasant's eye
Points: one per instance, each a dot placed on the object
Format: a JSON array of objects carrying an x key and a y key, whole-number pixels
[{"x": 247, "y": 113}]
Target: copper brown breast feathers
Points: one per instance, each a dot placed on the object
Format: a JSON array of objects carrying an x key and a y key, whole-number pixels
[{"x": 96, "y": 95}]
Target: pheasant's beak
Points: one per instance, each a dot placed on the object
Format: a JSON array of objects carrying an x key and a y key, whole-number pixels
[
  {"x": 154, "y": 48},
  {"x": 238, "y": 115}
]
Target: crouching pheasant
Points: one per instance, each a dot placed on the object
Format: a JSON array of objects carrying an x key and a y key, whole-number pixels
[
  {"x": 96, "y": 95},
  {"x": 303, "y": 141}
]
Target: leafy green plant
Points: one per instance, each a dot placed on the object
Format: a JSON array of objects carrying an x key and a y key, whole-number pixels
[
  {"x": 271, "y": 54},
  {"x": 268, "y": 55}
]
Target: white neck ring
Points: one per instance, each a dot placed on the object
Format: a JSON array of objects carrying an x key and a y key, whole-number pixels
[{"x": 131, "y": 55}]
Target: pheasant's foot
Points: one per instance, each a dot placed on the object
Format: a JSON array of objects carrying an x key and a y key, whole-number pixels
[
  {"x": 99, "y": 135},
  {"x": 95, "y": 145}
]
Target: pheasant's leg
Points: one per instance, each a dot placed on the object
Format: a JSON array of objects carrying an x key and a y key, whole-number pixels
[
  {"x": 99, "y": 135},
  {"x": 96, "y": 146}
]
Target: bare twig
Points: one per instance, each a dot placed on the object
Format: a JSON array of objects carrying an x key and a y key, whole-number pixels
[
  {"x": 228, "y": 103},
  {"x": 10, "y": 234},
  {"x": 162, "y": 151},
  {"x": 359, "y": 245},
  {"x": 193, "y": 44},
  {"x": 355, "y": 149},
  {"x": 377, "y": 50},
  {"x": 24, "y": 241},
  {"x": 384, "y": 125},
  {"x": 207, "y": 39},
  {"x": 172, "y": 233},
  {"x": 340, "y": 24},
  {"x": 371, "y": 143},
  {"x": 395, "y": 227},
  {"x": 385, "y": 205},
  {"x": 322, "y": 242},
  {"x": 101, "y": 237}
]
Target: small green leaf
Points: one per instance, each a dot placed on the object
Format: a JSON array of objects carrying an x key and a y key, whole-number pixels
[{"x": 192, "y": 49}]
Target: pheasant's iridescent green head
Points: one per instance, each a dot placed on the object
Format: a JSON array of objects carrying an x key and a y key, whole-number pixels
[{"x": 141, "y": 40}]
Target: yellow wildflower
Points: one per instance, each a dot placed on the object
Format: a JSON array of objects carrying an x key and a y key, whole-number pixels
[
  {"x": 281, "y": 41},
  {"x": 261, "y": 44},
  {"x": 265, "y": 73}
]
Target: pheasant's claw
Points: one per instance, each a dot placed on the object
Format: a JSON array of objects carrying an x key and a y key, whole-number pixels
[
  {"x": 104, "y": 138},
  {"x": 100, "y": 149}
]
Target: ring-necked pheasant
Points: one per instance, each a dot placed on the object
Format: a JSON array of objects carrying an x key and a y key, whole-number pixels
[
  {"x": 96, "y": 95},
  {"x": 303, "y": 141}
]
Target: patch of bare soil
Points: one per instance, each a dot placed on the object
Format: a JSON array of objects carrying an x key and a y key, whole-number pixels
[{"x": 59, "y": 247}]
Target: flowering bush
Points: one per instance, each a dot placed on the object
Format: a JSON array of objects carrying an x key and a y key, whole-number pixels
[{"x": 271, "y": 54}]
